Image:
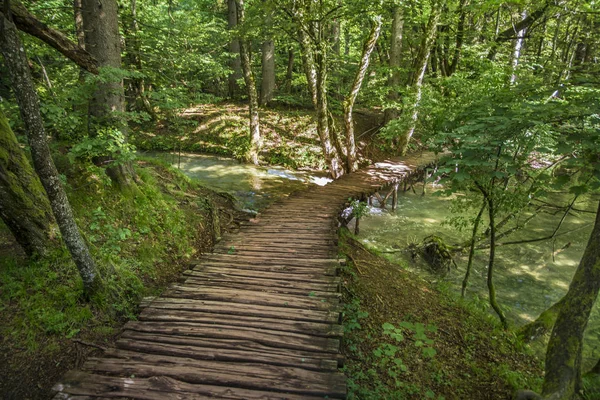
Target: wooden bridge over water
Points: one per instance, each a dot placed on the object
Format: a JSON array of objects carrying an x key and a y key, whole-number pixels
[{"x": 259, "y": 318}]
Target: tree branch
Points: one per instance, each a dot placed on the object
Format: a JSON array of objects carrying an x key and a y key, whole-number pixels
[{"x": 28, "y": 23}]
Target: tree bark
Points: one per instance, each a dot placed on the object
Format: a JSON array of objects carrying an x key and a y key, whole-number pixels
[
  {"x": 309, "y": 66},
  {"x": 255, "y": 139},
  {"x": 267, "y": 86},
  {"x": 516, "y": 55},
  {"x": 563, "y": 358},
  {"x": 460, "y": 35},
  {"x": 465, "y": 281},
  {"x": 107, "y": 104},
  {"x": 24, "y": 207},
  {"x": 16, "y": 62},
  {"x": 289, "y": 76},
  {"x": 416, "y": 79},
  {"x": 234, "y": 48},
  {"x": 349, "y": 101},
  {"x": 395, "y": 63}
]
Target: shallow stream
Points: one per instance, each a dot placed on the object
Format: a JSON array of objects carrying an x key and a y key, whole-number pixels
[
  {"x": 529, "y": 277},
  {"x": 255, "y": 187}
]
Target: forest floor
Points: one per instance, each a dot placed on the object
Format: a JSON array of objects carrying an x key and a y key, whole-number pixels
[
  {"x": 142, "y": 243},
  {"x": 407, "y": 339},
  {"x": 290, "y": 136}
]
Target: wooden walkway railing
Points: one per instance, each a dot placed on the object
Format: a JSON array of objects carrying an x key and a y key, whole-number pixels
[{"x": 259, "y": 318}]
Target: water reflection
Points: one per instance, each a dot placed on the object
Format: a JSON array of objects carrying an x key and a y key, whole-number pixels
[
  {"x": 254, "y": 187},
  {"x": 529, "y": 277}
]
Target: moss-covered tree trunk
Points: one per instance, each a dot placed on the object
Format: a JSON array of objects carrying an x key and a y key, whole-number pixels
[
  {"x": 17, "y": 64},
  {"x": 24, "y": 207},
  {"x": 563, "y": 357},
  {"x": 235, "y": 63},
  {"x": 368, "y": 47},
  {"x": 255, "y": 138}
]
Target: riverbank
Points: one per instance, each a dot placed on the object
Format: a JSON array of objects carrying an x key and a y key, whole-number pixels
[{"x": 408, "y": 339}]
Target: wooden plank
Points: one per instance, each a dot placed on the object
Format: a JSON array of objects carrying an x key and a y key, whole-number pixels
[
  {"x": 152, "y": 352},
  {"x": 262, "y": 273},
  {"x": 218, "y": 343},
  {"x": 279, "y": 278},
  {"x": 229, "y": 264},
  {"x": 246, "y": 309},
  {"x": 158, "y": 388},
  {"x": 199, "y": 282},
  {"x": 309, "y": 328},
  {"x": 276, "y": 339},
  {"x": 245, "y": 376},
  {"x": 280, "y": 252},
  {"x": 272, "y": 260},
  {"x": 239, "y": 296}
]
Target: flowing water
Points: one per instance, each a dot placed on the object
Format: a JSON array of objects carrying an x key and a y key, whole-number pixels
[
  {"x": 529, "y": 277},
  {"x": 254, "y": 187}
]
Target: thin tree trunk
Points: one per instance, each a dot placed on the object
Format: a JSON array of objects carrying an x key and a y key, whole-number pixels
[
  {"x": 460, "y": 34},
  {"x": 465, "y": 281},
  {"x": 517, "y": 52},
  {"x": 331, "y": 156},
  {"x": 267, "y": 87},
  {"x": 490, "y": 274},
  {"x": 391, "y": 113},
  {"x": 289, "y": 76},
  {"x": 17, "y": 65},
  {"x": 563, "y": 357},
  {"x": 234, "y": 49},
  {"x": 24, "y": 207},
  {"x": 351, "y": 98},
  {"x": 255, "y": 139},
  {"x": 310, "y": 69},
  {"x": 136, "y": 61},
  {"x": 416, "y": 81}
]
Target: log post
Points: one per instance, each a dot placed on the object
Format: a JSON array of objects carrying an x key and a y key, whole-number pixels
[{"x": 395, "y": 197}]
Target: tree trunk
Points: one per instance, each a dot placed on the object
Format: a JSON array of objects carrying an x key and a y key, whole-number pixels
[
  {"x": 267, "y": 87},
  {"x": 24, "y": 207},
  {"x": 416, "y": 80},
  {"x": 17, "y": 65},
  {"x": 465, "y": 281},
  {"x": 490, "y": 273},
  {"x": 332, "y": 158},
  {"x": 107, "y": 105},
  {"x": 255, "y": 139},
  {"x": 542, "y": 324},
  {"x": 460, "y": 34},
  {"x": 135, "y": 61},
  {"x": 234, "y": 48},
  {"x": 563, "y": 357},
  {"x": 351, "y": 98},
  {"x": 516, "y": 55},
  {"x": 289, "y": 76},
  {"x": 310, "y": 70},
  {"x": 395, "y": 59},
  {"x": 102, "y": 40}
]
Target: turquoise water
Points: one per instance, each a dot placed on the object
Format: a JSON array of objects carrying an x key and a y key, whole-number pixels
[
  {"x": 529, "y": 277},
  {"x": 255, "y": 187}
]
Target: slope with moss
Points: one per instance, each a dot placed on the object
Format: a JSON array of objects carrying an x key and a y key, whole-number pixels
[
  {"x": 141, "y": 243},
  {"x": 405, "y": 339}
]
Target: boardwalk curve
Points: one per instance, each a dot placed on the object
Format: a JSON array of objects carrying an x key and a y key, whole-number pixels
[{"x": 259, "y": 318}]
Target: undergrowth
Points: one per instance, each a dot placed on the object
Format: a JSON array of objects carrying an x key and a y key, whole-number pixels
[
  {"x": 406, "y": 339},
  {"x": 139, "y": 242}
]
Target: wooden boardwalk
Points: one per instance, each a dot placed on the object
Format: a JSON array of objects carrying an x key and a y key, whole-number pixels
[{"x": 259, "y": 318}]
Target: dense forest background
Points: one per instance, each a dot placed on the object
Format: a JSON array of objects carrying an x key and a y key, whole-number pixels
[{"x": 507, "y": 91}]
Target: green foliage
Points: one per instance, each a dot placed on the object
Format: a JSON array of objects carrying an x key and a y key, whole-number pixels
[
  {"x": 109, "y": 143},
  {"x": 137, "y": 243}
]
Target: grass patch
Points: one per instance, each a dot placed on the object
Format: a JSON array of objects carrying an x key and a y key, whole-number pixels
[{"x": 405, "y": 339}]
